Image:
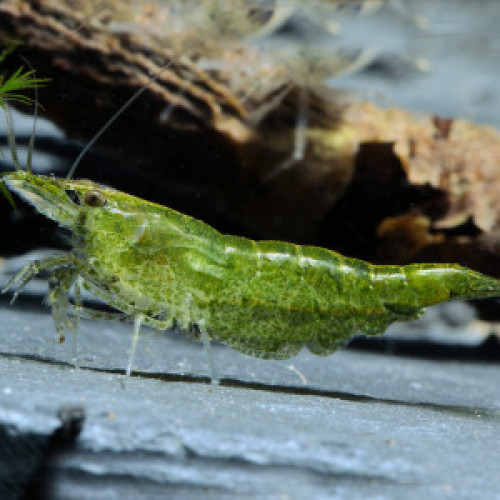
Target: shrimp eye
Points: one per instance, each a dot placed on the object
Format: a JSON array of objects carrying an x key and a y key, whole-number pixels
[
  {"x": 94, "y": 198},
  {"x": 73, "y": 196}
]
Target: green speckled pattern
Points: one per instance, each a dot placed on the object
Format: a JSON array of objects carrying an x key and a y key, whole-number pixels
[{"x": 266, "y": 298}]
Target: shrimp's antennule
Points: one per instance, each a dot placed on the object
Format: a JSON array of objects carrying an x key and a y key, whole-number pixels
[
  {"x": 31, "y": 144},
  {"x": 11, "y": 139}
]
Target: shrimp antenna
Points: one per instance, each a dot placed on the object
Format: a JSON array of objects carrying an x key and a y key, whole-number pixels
[
  {"x": 115, "y": 116},
  {"x": 11, "y": 139},
  {"x": 31, "y": 144}
]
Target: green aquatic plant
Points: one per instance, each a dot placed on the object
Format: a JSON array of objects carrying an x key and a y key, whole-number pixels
[
  {"x": 12, "y": 87},
  {"x": 11, "y": 90}
]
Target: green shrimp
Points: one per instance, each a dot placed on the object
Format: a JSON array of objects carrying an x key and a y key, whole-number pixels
[{"x": 268, "y": 299}]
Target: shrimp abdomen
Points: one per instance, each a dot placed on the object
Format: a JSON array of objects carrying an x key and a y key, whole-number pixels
[{"x": 278, "y": 297}]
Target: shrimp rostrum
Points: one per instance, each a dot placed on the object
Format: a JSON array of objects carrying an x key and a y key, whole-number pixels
[{"x": 159, "y": 267}]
